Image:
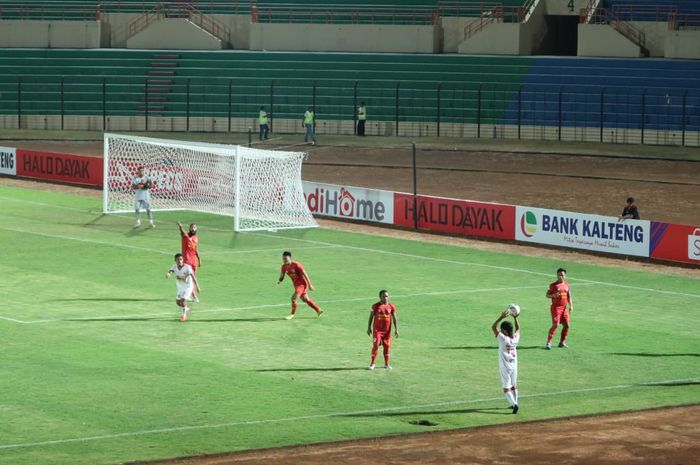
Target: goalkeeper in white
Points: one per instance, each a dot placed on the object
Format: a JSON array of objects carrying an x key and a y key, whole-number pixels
[{"x": 141, "y": 184}]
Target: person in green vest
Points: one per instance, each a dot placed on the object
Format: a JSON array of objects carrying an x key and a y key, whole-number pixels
[
  {"x": 309, "y": 123},
  {"x": 361, "y": 119},
  {"x": 263, "y": 121}
]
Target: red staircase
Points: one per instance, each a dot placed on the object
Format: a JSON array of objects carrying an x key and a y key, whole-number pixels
[{"x": 158, "y": 86}]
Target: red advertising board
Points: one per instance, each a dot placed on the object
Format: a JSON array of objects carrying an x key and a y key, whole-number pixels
[
  {"x": 462, "y": 217},
  {"x": 675, "y": 242},
  {"x": 60, "y": 167}
]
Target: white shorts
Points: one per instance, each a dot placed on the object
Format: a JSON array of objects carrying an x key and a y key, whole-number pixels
[
  {"x": 509, "y": 378},
  {"x": 142, "y": 203},
  {"x": 184, "y": 292}
]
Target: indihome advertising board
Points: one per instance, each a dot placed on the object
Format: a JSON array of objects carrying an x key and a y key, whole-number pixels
[
  {"x": 350, "y": 203},
  {"x": 581, "y": 231}
]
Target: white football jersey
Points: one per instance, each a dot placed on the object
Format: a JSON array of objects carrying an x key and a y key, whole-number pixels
[
  {"x": 142, "y": 194},
  {"x": 507, "y": 351},
  {"x": 183, "y": 276}
]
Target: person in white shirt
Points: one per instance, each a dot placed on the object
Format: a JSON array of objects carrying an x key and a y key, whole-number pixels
[
  {"x": 186, "y": 282},
  {"x": 142, "y": 196},
  {"x": 508, "y": 338}
]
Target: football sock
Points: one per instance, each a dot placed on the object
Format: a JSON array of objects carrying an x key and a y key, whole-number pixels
[
  {"x": 312, "y": 304},
  {"x": 564, "y": 333},
  {"x": 374, "y": 354},
  {"x": 386, "y": 358},
  {"x": 515, "y": 395},
  {"x": 294, "y": 307},
  {"x": 510, "y": 398},
  {"x": 552, "y": 330}
]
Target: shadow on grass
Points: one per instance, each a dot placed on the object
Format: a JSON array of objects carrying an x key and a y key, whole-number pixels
[
  {"x": 173, "y": 318},
  {"x": 672, "y": 384},
  {"x": 495, "y": 346},
  {"x": 232, "y": 320},
  {"x": 106, "y": 299},
  {"x": 651, "y": 354},
  {"x": 263, "y": 370},
  {"x": 90, "y": 320},
  {"x": 487, "y": 410}
]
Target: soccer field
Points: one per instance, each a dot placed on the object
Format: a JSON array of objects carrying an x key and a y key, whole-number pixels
[{"x": 95, "y": 367}]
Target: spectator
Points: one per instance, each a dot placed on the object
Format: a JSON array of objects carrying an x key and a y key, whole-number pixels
[
  {"x": 263, "y": 120},
  {"x": 630, "y": 210},
  {"x": 361, "y": 119},
  {"x": 309, "y": 122}
]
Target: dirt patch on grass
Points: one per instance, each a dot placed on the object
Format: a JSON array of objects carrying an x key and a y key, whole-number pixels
[{"x": 651, "y": 437}]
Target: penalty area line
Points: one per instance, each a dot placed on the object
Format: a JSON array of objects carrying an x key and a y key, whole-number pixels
[{"x": 370, "y": 412}]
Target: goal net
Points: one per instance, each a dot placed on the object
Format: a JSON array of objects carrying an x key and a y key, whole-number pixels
[{"x": 260, "y": 189}]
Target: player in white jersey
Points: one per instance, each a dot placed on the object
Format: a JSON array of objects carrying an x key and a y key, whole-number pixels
[
  {"x": 142, "y": 196},
  {"x": 508, "y": 357},
  {"x": 186, "y": 281}
]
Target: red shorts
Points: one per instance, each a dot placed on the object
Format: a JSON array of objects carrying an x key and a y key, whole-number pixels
[
  {"x": 300, "y": 289},
  {"x": 381, "y": 338},
  {"x": 559, "y": 315},
  {"x": 193, "y": 266}
]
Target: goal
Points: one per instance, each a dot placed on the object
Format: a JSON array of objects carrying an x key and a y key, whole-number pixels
[{"x": 260, "y": 189}]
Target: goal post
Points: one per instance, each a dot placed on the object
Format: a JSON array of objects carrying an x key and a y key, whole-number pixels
[{"x": 260, "y": 189}]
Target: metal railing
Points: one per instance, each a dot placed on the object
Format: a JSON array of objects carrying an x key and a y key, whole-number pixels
[
  {"x": 343, "y": 15},
  {"x": 684, "y": 21},
  {"x": 657, "y": 13}
]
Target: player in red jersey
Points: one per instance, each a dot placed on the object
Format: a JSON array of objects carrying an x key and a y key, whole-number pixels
[
  {"x": 560, "y": 293},
  {"x": 190, "y": 250},
  {"x": 301, "y": 283},
  {"x": 384, "y": 314}
]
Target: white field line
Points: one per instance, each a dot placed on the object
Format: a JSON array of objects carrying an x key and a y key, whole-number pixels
[
  {"x": 440, "y": 260},
  {"x": 146, "y": 249},
  {"x": 483, "y": 265},
  {"x": 264, "y": 306},
  {"x": 89, "y": 241},
  {"x": 276, "y": 249},
  {"x": 321, "y": 416}
]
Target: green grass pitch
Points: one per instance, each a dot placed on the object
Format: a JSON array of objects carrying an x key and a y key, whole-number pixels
[{"x": 95, "y": 368}]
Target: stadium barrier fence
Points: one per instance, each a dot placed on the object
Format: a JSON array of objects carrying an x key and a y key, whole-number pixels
[
  {"x": 589, "y": 233},
  {"x": 589, "y": 113}
]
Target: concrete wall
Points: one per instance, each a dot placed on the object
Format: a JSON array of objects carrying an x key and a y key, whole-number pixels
[
  {"x": 682, "y": 44},
  {"x": 345, "y": 38},
  {"x": 236, "y": 36},
  {"x": 494, "y": 39},
  {"x": 174, "y": 34},
  {"x": 533, "y": 31},
  {"x": 562, "y": 8},
  {"x": 50, "y": 34},
  {"x": 453, "y": 33},
  {"x": 601, "y": 40},
  {"x": 655, "y": 35}
]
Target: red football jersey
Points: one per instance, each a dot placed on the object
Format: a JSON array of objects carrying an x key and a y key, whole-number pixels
[
  {"x": 189, "y": 248},
  {"x": 382, "y": 316},
  {"x": 563, "y": 290},
  {"x": 295, "y": 271}
]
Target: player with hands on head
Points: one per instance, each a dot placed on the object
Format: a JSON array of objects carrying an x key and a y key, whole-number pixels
[
  {"x": 508, "y": 338},
  {"x": 190, "y": 249},
  {"x": 383, "y": 314},
  {"x": 185, "y": 281},
  {"x": 300, "y": 281},
  {"x": 142, "y": 183}
]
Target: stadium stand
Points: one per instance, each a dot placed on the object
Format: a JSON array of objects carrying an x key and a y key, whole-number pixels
[{"x": 419, "y": 88}]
